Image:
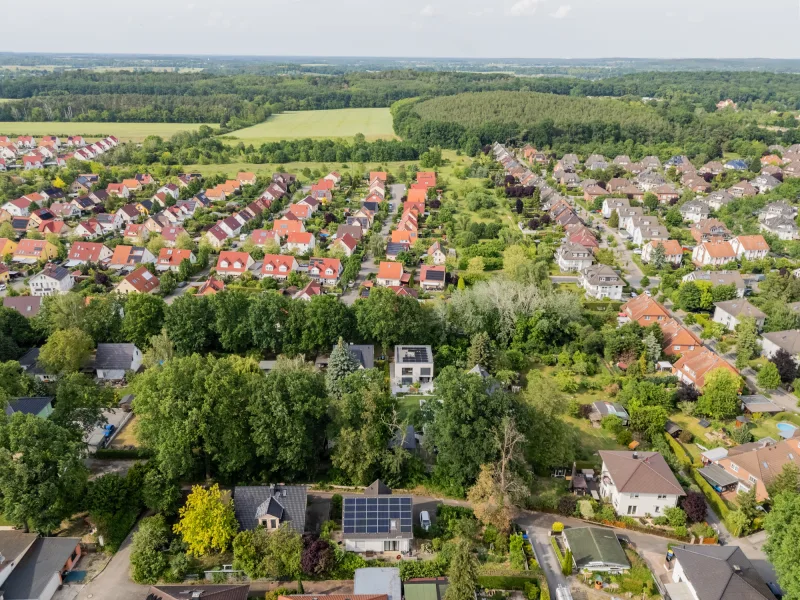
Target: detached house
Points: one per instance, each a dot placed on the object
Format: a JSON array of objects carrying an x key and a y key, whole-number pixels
[
  {"x": 742, "y": 189},
  {"x": 141, "y": 281},
  {"x": 346, "y": 243},
  {"x": 170, "y": 259},
  {"x": 694, "y": 368},
  {"x": 113, "y": 360},
  {"x": 695, "y": 211},
  {"x": 784, "y": 228},
  {"x": 301, "y": 242},
  {"x": 573, "y": 257},
  {"x": 709, "y": 229},
  {"x": 638, "y": 483},
  {"x": 781, "y": 340},
  {"x": 601, "y": 281},
  {"x": 730, "y": 312},
  {"x": 388, "y": 527},
  {"x": 717, "y": 200},
  {"x": 270, "y": 506},
  {"x": 325, "y": 270},
  {"x": 390, "y": 274},
  {"x": 234, "y": 263},
  {"x": 673, "y": 251},
  {"x": 432, "y": 277},
  {"x": 644, "y": 310},
  {"x": 85, "y": 252},
  {"x": 278, "y": 266},
  {"x": 751, "y": 247},
  {"x": 130, "y": 256},
  {"x": 33, "y": 251},
  {"x": 52, "y": 280}
]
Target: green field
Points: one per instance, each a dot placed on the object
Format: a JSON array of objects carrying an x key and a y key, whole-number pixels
[
  {"x": 374, "y": 123},
  {"x": 134, "y": 132}
]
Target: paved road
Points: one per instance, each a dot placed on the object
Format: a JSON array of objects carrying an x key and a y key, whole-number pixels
[
  {"x": 368, "y": 265},
  {"x": 114, "y": 583}
]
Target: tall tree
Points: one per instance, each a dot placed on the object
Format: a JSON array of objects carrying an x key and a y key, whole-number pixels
[
  {"x": 232, "y": 325},
  {"x": 782, "y": 524},
  {"x": 342, "y": 362},
  {"x": 768, "y": 377},
  {"x": 267, "y": 319},
  {"x": 206, "y": 523},
  {"x": 189, "y": 323},
  {"x": 747, "y": 341},
  {"x": 390, "y": 319},
  {"x": 463, "y": 573},
  {"x": 149, "y": 556},
  {"x": 41, "y": 472},
  {"x": 80, "y": 403},
  {"x": 788, "y": 480},
  {"x": 16, "y": 334},
  {"x": 720, "y": 394},
  {"x": 143, "y": 318},
  {"x": 65, "y": 351},
  {"x": 787, "y": 367},
  {"x": 480, "y": 351},
  {"x": 659, "y": 257}
]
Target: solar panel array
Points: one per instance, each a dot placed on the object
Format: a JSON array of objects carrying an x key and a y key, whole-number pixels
[
  {"x": 414, "y": 354},
  {"x": 375, "y": 515}
]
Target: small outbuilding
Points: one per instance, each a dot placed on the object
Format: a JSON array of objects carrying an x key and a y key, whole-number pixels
[{"x": 596, "y": 549}]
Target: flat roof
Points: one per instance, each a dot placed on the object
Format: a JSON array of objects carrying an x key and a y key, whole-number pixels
[{"x": 716, "y": 475}]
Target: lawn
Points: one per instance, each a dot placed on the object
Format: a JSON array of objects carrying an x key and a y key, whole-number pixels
[
  {"x": 134, "y": 132},
  {"x": 374, "y": 123}
]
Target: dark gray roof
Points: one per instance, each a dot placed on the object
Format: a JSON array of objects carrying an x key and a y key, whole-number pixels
[
  {"x": 716, "y": 475},
  {"x": 185, "y": 591},
  {"x": 114, "y": 356},
  {"x": 364, "y": 353},
  {"x": 46, "y": 557},
  {"x": 721, "y": 573},
  {"x": 28, "y": 406},
  {"x": 12, "y": 544},
  {"x": 395, "y": 248},
  {"x": 254, "y": 501},
  {"x": 594, "y": 546},
  {"x": 672, "y": 428},
  {"x": 377, "y": 488}
]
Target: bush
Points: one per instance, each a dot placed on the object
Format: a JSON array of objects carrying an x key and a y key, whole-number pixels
[
  {"x": 686, "y": 436},
  {"x": 612, "y": 423},
  {"x": 436, "y": 544},
  {"x": 531, "y": 590},
  {"x": 557, "y": 548},
  {"x": 624, "y": 437},
  {"x": 516, "y": 552},
  {"x": 567, "y": 505},
  {"x": 422, "y": 568},
  {"x": 505, "y": 582},
  {"x": 694, "y": 505},
  {"x": 558, "y": 527},
  {"x": 661, "y": 521},
  {"x": 675, "y": 516},
  {"x": 683, "y": 457},
  {"x": 336, "y": 507},
  {"x": 703, "y": 530},
  {"x": 682, "y": 531}
]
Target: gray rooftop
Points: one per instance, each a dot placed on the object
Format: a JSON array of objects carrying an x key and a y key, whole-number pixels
[
  {"x": 364, "y": 353},
  {"x": 787, "y": 340},
  {"x": 740, "y": 308},
  {"x": 413, "y": 354},
  {"x": 114, "y": 356},
  {"x": 13, "y": 543},
  {"x": 28, "y": 406},
  {"x": 286, "y": 502},
  {"x": 45, "y": 558},
  {"x": 721, "y": 573}
]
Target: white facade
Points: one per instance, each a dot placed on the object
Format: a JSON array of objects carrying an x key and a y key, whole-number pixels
[
  {"x": 117, "y": 374},
  {"x": 44, "y": 285},
  {"x": 634, "y": 504},
  {"x": 381, "y": 545}
]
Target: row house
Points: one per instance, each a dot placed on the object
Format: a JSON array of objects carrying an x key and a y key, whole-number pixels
[
  {"x": 673, "y": 251},
  {"x": 573, "y": 257},
  {"x": 233, "y": 264},
  {"x": 325, "y": 271},
  {"x": 87, "y": 252},
  {"x": 692, "y": 369},
  {"x": 709, "y": 230},
  {"x": 278, "y": 266},
  {"x": 715, "y": 253},
  {"x": 751, "y": 247}
]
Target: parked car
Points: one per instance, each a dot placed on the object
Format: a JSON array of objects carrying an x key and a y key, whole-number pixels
[{"x": 425, "y": 520}]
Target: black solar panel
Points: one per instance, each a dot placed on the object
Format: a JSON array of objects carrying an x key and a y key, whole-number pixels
[
  {"x": 387, "y": 514},
  {"x": 414, "y": 354}
]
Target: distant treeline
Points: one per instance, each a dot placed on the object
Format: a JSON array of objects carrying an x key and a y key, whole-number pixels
[
  {"x": 233, "y": 100},
  {"x": 612, "y": 126}
]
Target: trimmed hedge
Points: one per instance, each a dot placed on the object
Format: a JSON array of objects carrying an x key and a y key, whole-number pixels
[
  {"x": 557, "y": 549},
  {"x": 120, "y": 453},
  {"x": 505, "y": 582},
  {"x": 714, "y": 500},
  {"x": 683, "y": 456}
]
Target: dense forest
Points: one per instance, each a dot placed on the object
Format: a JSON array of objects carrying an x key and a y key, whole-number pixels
[
  {"x": 237, "y": 100},
  {"x": 584, "y": 125}
]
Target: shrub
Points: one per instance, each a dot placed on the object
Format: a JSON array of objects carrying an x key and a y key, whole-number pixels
[
  {"x": 675, "y": 516},
  {"x": 661, "y": 521},
  {"x": 703, "y": 530},
  {"x": 531, "y": 590},
  {"x": 612, "y": 423},
  {"x": 566, "y": 564},
  {"x": 686, "y": 436},
  {"x": 423, "y": 568},
  {"x": 683, "y": 457},
  {"x": 506, "y": 582},
  {"x": 681, "y": 531},
  {"x": 544, "y": 588},
  {"x": 586, "y": 509},
  {"x": 516, "y": 553},
  {"x": 436, "y": 544},
  {"x": 694, "y": 505},
  {"x": 558, "y": 527},
  {"x": 624, "y": 437},
  {"x": 336, "y": 507},
  {"x": 567, "y": 505}
]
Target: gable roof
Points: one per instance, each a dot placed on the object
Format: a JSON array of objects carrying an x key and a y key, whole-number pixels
[
  {"x": 142, "y": 280},
  {"x": 28, "y": 406},
  {"x": 741, "y": 308},
  {"x": 32, "y": 576},
  {"x": 752, "y": 242},
  {"x": 114, "y": 356},
  {"x": 286, "y": 502},
  {"x": 643, "y": 472},
  {"x": 390, "y": 270},
  {"x": 27, "y": 306},
  {"x": 593, "y": 545},
  {"x": 721, "y": 573},
  {"x": 187, "y": 591},
  {"x": 787, "y": 340},
  {"x": 671, "y": 247}
]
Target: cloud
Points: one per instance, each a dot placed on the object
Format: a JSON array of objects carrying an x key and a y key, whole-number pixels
[
  {"x": 561, "y": 11},
  {"x": 481, "y": 12},
  {"x": 523, "y": 7},
  {"x": 429, "y": 10}
]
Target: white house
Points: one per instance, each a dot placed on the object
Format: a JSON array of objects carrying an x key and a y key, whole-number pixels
[
  {"x": 695, "y": 211},
  {"x": 781, "y": 340},
  {"x": 378, "y": 521},
  {"x": 729, "y": 313},
  {"x": 601, "y": 281},
  {"x": 715, "y": 253},
  {"x": 573, "y": 257},
  {"x": 610, "y": 205},
  {"x": 301, "y": 242},
  {"x": 673, "y": 252},
  {"x": 413, "y": 365},
  {"x": 706, "y": 572},
  {"x": 783, "y": 227},
  {"x": 647, "y": 232},
  {"x": 751, "y": 247},
  {"x": 113, "y": 360},
  {"x": 52, "y": 280},
  {"x": 638, "y": 483}
]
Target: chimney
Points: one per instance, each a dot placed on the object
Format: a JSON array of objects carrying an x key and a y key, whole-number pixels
[
  {"x": 737, "y": 569},
  {"x": 635, "y": 455}
]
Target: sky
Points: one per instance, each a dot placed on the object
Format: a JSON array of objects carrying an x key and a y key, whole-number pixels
[{"x": 408, "y": 28}]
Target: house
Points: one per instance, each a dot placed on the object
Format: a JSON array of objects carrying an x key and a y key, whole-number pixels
[
  {"x": 33, "y": 251},
  {"x": 706, "y": 572},
  {"x": 112, "y": 361},
  {"x": 573, "y": 257},
  {"x": 751, "y": 247},
  {"x": 717, "y": 278},
  {"x": 695, "y": 211},
  {"x": 756, "y": 464},
  {"x": 666, "y": 193},
  {"x": 109, "y": 222},
  {"x": 346, "y": 243},
  {"x": 784, "y": 228},
  {"x": 601, "y": 409},
  {"x": 5, "y": 273},
  {"x": 7, "y": 247},
  {"x": 601, "y": 281},
  {"x": 52, "y": 280},
  {"x": 765, "y": 183},
  {"x": 377, "y": 522},
  {"x": 432, "y": 277},
  {"x": 27, "y": 306},
  {"x": 194, "y": 591},
  {"x": 436, "y": 253},
  {"x": 171, "y": 234},
  {"x": 262, "y": 237},
  {"x": 713, "y": 168},
  {"x": 210, "y": 287},
  {"x": 393, "y": 249},
  {"x": 730, "y": 312},
  {"x": 233, "y": 264},
  {"x": 777, "y": 209},
  {"x": 301, "y": 211},
  {"x": 301, "y": 242},
  {"x": 118, "y": 189},
  {"x": 140, "y": 281},
  {"x": 170, "y": 259},
  {"x": 645, "y": 231},
  {"x": 130, "y": 256},
  {"x": 312, "y": 289},
  {"x": 716, "y": 200},
  {"x": 389, "y": 273},
  {"x": 638, "y": 483},
  {"x": 325, "y": 270},
  {"x": 610, "y": 205},
  {"x": 278, "y": 266},
  {"x": 128, "y": 213},
  {"x": 742, "y": 189},
  {"x": 736, "y": 164},
  {"x": 270, "y": 506},
  {"x": 41, "y": 406},
  {"x": 673, "y": 251},
  {"x": 284, "y": 226},
  {"x": 780, "y": 340},
  {"x": 596, "y": 549},
  {"x": 677, "y": 339},
  {"x": 33, "y": 161},
  {"x": 21, "y": 207},
  {"x": 246, "y": 178},
  {"x": 692, "y": 369},
  {"x": 413, "y": 365},
  {"x": 644, "y": 310},
  {"x": 89, "y": 230},
  {"x": 216, "y": 236},
  {"x": 231, "y": 225},
  {"x": 714, "y": 253},
  {"x": 594, "y": 191},
  {"x": 33, "y": 566},
  {"x": 64, "y": 210},
  {"x": 135, "y": 233}
]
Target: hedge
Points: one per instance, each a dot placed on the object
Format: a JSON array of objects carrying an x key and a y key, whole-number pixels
[
  {"x": 714, "y": 500},
  {"x": 557, "y": 549},
  {"x": 505, "y": 582},
  {"x": 121, "y": 453},
  {"x": 683, "y": 456}
]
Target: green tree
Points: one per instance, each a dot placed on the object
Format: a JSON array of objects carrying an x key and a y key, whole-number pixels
[
  {"x": 788, "y": 480},
  {"x": 659, "y": 257},
  {"x": 149, "y": 557},
  {"x": 390, "y": 319},
  {"x": 267, "y": 320},
  {"x": 65, "y": 351},
  {"x": 782, "y": 525},
  {"x": 480, "y": 351},
  {"x": 189, "y": 323},
  {"x": 342, "y": 362},
  {"x": 161, "y": 350},
  {"x": 288, "y": 416},
  {"x": 689, "y": 296},
  {"x": 613, "y": 221},
  {"x": 41, "y": 472},
  {"x": 720, "y": 394},
  {"x": 768, "y": 377},
  {"x": 650, "y": 200},
  {"x": 463, "y": 573},
  {"x": 747, "y": 341},
  {"x": 16, "y": 334},
  {"x": 206, "y": 522},
  {"x": 159, "y": 493},
  {"x": 326, "y": 320},
  {"x": 647, "y": 419},
  {"x": 142, "y": 319},
  {"x": 231, "y": 309},
  {"x": 80, "y": 403}
]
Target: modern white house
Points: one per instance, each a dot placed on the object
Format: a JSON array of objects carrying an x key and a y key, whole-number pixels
[
  {"x": 52, "y": 280},
  {"x": 573, "y": 257},
  {"x": 413, "y": 365},
  {"x": 638, "y": 483},
  {"x": 377, "y": 521},
  {"x": 601, "y": 281}
]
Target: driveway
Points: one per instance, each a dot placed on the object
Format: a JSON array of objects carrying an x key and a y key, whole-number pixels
[{"x": 113, "y": 582}]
